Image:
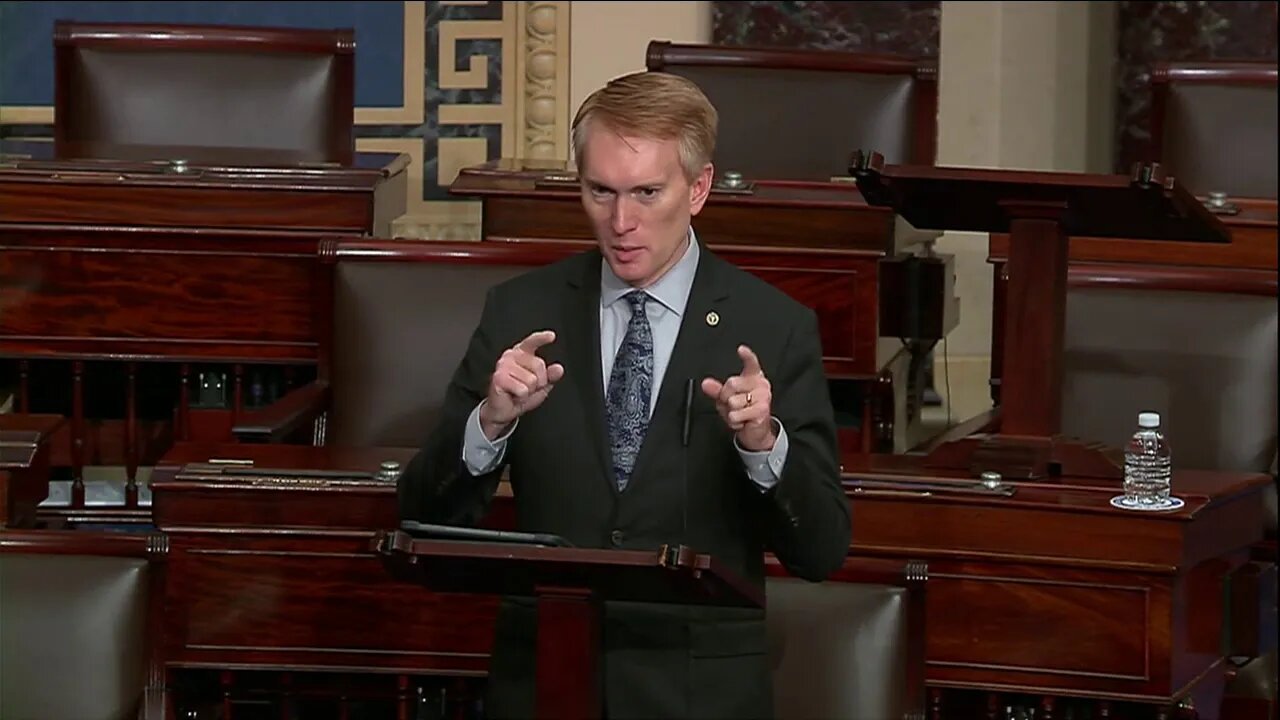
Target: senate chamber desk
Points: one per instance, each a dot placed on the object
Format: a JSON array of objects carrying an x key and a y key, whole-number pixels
[
  {"x": 1034, "y": 589},
  {"x": 187, "y": 269}
]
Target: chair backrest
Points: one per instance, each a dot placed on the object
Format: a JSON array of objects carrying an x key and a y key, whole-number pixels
[
  {"x": 204, "y": 86},
  {"x": 849, "y": 648},
  {"x": 74, "y": 635},
  {"x": 403, "y": 317},
  {"x": 1213, "y": 124},
  {"x": 798, "y": 114},
  {"x": 1206, "y": 361}
]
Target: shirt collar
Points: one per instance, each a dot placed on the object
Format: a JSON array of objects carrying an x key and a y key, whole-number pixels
[{"x": 672, "y": 289}]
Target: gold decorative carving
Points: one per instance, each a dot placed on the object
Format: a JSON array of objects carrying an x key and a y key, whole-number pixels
[{"x": 543, "y": 103}]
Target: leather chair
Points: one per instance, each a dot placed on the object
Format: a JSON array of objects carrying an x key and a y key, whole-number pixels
[
  {"x": 1206, "y": 361},
  {"x": 390, "y": 369},
  {"x": 75, "y": 637},
  {"x": 851, "y": 647},
  {"x": 1213, "y": 125},
  {"x": 798, "y": 114},
  {"x": 179, "y": 87}
]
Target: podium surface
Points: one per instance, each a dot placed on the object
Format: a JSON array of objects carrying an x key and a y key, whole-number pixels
[{"x": 669, "y": 574}]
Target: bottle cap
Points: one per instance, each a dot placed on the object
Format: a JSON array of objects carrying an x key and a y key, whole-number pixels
[{"x": 1148, "y": 419}]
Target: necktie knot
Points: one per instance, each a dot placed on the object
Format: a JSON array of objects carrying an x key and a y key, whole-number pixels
[{"x": 637, "y": 299}]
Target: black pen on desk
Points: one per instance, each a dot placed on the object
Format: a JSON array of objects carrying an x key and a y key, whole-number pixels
[{"x": 688, "y": 410}]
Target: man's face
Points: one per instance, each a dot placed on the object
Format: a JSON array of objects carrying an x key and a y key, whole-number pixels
[{"x": 640, "y": 203}]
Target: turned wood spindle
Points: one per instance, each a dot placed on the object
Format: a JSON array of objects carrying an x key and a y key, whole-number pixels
[
  {"x": 184, "y": 402},
  {"x": 404, "y": 698},
  {"x": 286, "y": 696},
  {"x": 993, "y": 706},
  {"x": 226, "y": 679},
  {"x": 24, "y": 396},
  {"x": 237, "y": 394},
  {"x": 1046, "y": 707},
  {"x": 131, "y": 436},
  {"x": 77, "y": 434},
  {"x": 935, "y": 704}
]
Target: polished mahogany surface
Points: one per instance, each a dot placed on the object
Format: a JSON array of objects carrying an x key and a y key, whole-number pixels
[
  {"x": 24, "y": 465},
  {"x": 1252, "y": 245},
  {"x": 1045, "y": 588},
  {"x": 208, "y": 188},
  {"x": 121, "y": 275},
  {"x": 670, "y": 574},
  {"x": 1041, "y": 588},
  {"x": 272, "y": 565},
  {"x": 529, "y": 200}
]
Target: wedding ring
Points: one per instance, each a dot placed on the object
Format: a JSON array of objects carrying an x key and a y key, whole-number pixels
[{"x": 748, "y": 397}]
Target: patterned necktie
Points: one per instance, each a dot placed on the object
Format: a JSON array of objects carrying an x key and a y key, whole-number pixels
[{"x": 630, "y": 383}]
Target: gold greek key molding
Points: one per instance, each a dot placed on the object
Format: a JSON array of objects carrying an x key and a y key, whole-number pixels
[{"x": 542, "y": 98}]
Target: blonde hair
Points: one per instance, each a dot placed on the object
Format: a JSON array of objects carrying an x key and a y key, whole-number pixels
[{"x": 654, "y": 105}]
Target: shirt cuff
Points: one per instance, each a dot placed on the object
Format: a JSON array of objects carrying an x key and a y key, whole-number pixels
[
  {"x": 480, "y": 454},
  {"x": 765, "y": 467}
]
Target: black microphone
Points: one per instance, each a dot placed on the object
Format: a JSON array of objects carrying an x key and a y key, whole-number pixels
[
  {"x": 684, "y": 461},
  {"x": 688, "y": 411}
]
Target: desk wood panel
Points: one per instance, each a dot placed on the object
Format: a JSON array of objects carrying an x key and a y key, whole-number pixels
[
  {"x": 278, "y": 602},
  {"x": 1096, "y": 629},
  {"x": 72, "y": 300},
  {"x": 88, "y": 203}
]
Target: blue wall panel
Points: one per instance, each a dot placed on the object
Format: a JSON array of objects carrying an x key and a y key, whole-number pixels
[{"x": 26, "y": 37}]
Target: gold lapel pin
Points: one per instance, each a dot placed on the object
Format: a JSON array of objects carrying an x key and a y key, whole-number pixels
[{"x": 713, "y": 319}]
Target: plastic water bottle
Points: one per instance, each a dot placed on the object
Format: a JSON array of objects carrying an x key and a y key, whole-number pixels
[{"x": 1148, "y": 467}]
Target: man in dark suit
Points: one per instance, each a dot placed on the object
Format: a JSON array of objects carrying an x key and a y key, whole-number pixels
[{"x": 575, "y": 380}]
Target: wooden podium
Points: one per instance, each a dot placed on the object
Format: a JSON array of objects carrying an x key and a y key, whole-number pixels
[
  {"x": 1039, "y": 211},
  {"x": 569, "y": 585}
]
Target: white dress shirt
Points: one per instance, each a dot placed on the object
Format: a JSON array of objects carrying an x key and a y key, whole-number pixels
[{"x": 671, "y": 293}]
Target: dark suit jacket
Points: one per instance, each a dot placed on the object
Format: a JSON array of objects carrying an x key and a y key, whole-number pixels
[{"x": 659, "y": 661}]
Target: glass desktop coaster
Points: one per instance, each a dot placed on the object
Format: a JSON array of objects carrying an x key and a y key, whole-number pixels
[{"x": 1170, "y": 503}]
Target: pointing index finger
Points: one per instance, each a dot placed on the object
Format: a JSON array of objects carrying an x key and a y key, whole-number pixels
[
  {"x": 536, "y": 340},
  {"x": 750, "y": 363}
]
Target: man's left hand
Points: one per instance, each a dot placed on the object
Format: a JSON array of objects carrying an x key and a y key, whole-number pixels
[{"x": 745, "y": 401}]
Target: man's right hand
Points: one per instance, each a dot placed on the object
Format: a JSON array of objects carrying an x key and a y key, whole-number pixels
[{"x": 520, "y": 382}]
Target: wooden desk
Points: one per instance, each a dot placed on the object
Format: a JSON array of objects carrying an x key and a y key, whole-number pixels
[
  {"x": 279, "y": 574},
  {"x": 1052, "y": 592},
  {"x": 120, "y": 277},
  {"x": 1049, "y": 591}
]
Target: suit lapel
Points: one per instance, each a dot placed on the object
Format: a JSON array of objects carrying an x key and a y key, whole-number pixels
[
  {"x": 583, "y": 353},
  {"x": 694, "y": 342}
]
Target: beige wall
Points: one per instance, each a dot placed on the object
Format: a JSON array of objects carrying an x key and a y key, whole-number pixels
[
  {"x": 608, "y": 39},
  {"x": 1023, "y": 85}
]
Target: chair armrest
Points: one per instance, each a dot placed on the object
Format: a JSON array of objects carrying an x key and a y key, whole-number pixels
[
  {"x": 272, "y": 423},
  {"x": 911, "y": 576}
]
